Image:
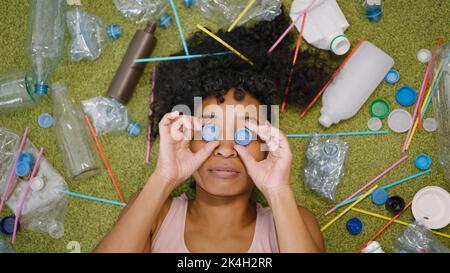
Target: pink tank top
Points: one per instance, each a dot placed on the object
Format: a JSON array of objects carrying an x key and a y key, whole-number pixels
[{"x": 170, "y": 237}]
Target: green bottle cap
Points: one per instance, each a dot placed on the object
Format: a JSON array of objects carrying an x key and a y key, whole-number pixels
[{"x": 379, "y": 108}]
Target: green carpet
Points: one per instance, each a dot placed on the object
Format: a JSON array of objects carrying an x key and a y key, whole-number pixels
[{"x": 406, "y": 27}]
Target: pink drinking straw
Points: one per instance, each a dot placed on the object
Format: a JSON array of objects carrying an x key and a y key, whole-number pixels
[
  {"x": 291, "y": 26},
  {"x": 12, "y": 172},
  {"x": 25, "y": 194},
  {"x": 149, "y": 134},
  {"x": 378, "y": 177}
]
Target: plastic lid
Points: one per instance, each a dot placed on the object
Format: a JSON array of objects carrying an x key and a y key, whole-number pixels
[
  {"x": 210, "y": 132},
  {"x": 7, "y": 225},
  {"x": 424, "y": 55},
  {"x": 41, "y": 89},
  {"x": 243, "y": 136},
  {"x": 431, "y": 207},
  {"x": 165, "y": 21},
  {"x": 430, "y": 124},
  {"x": 27, "y": 158},
  {"x": 392, "y": 77},
  {"x": 354, "y": 226},
  {"x": 379, "y": 108},
  {"x": 325, "y": 121},
  {"x": 422, "y": 162},
  {"x": 330, "y": 150},
  {"x": 37, "y": 184},
  {"x": 23, "y": 169},
  {"x": 379, "y": 197},
  {"x": 395, "y": 204},
  {"x": 114, "y": 32},
  {"x": 374, "y": 124},
  {"x": 399, "y": 121},
  {"x": 45, "y": 120},
  {"x": 340, "y": 45},
  {"x": 189, "y": 3},
  {"x": 134, "y": 129},
  {"x": 406, "y": 96}
]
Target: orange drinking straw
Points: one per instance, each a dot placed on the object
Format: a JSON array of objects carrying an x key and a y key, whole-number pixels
[
  {"x": 332, "y": 77},
  {"x": 102, "y": 154}
]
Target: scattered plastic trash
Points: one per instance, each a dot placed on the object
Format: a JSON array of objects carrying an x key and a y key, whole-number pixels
[
  {"x": 373, "y": 247},
  {"x": 418, "y": 239},
  {"x": 379, "y": 108},
  {"x": 354, "y": 226},
  {"x": 406, "y": 96},
  {"x": 399, "y": 121},
  {"x": 392, "y": 77},
  {"x": 430, "y": 125},
  {"x": 189, "y": 3},
  {"x": 374, "y": 124},
  {"x": 16, "y": 92},
  {"x": 431, "y": 207},
  {"x": 424, "y": 55},
  {"x": 210, "y": 132},
  {"x": 45, "y": 120},
  {"x": 373, "y": 10},
  {"x": 422, "y": 162},
  {"x": 395, "y": 204},
  {"x": 379, "y": 197},
  {"x": 165, "y": 21},
  {"x": 243, "y": 136},
  {"x": 5, "y": 247},
  {"x": 142, "y": 11}
]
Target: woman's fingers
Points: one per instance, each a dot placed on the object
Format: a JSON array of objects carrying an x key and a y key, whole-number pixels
[
  {"x": 204, "y": 153},
  {"x": 247, "y": 158}
]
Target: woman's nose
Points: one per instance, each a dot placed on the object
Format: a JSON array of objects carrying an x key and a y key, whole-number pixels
[{"x": 225, "y": 149}]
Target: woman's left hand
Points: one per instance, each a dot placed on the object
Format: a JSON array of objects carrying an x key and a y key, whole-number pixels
[{"x": 273, "y": 173}]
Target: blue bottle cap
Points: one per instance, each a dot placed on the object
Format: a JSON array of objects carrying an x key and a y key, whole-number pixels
[
  {"x": 379, "y": 197},
  {"x": 189, "y": 3},
  {"x": 134, "y": 129},
  {"x": 243, "y": 136},
  {"x": 392, "y": 77},
  {"x": 210, "y": 132},
  {"x": 23, "y": 169},
  {"x": 40, "y": 89},
  {"x": 114, "y": 32},
  {"x": 27, "y": 158},
  {"x": 7, "y": 225},
  {"x": 165, "y": 21},
  {"x": 45, "y": 121},
  {"x": 406, "y": 96},
  {"x": 423, "y": 162},
  {"x": 354, "y": 226}
]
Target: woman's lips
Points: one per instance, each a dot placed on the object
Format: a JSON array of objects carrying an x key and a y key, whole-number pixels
[{"x": 224, "y": 172}]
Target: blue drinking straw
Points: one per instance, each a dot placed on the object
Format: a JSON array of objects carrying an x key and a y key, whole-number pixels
[
  {"x": 338, "y": 134},
  {"x": 183, "y": 39},
  {"x": 93, "y": 198},
  {"x": 175, "y": 58}
]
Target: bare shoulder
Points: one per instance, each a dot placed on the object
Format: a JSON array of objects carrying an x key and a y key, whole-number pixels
[{"x": 313, "y": 226}]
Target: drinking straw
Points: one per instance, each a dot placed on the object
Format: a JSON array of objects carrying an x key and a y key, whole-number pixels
[
  {"x": 299, "y": 39},
  {"x": 177, "y": 58},
  {"x": 25, "y": 194},
  {"x": 347, "y": 209},
  {"x": 291, "y": 26},
  {"x": 93, "y": 198},
  {"x": 378, "y": 177},
  {"x": 435, "y": 86},
  {"x": 395, "y": 221},
  {"x": 333, "y": 77},
  {"x": 149, "y": 133},
  {"x": 249, "y": 6},
  {"x": 384, "y": 227},
  {"x": 224, "y": 43},
  {"x": 338, "y": 134},
  {"x": 393, "y": 184},
  {"x": 102, "y": 154},
  {"x": 12, "y": 171},
  {"x": 180, "y": 29}
]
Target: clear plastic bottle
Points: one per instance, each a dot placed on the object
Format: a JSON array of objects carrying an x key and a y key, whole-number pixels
[
  {"x": 16, "y": 92},
  {"x": 76, "y": 145},
  {"x": 373, "y": 10},
  {"x": 45, "y": 40},
  {"x": 142, "y": 11},
  {"x": 90, "y": 35}
]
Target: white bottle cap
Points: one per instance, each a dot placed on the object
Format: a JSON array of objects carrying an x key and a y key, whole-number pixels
[
  {"x": 37, "y": 184},
  {"x": 373, "y": 247},
  {"x": 325, "y": 121},
  {"x": 431, "y": 207},
  {"x": 340, "y": 45},
  {"x": 424, "y": 55},
  {"x": 430, "y": 124},
  {"x": 399, "y": 121},
  {"x": 374, "y": 124}
]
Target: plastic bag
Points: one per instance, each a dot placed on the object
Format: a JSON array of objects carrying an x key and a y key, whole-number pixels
[
  {"x": 224, "y": 12},
  {"x": 141, "y": 11},
  {"x": 324, "y": 165},
  {"x": 418, "y": 239}
]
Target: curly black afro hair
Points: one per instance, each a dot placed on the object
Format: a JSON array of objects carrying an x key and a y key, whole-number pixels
[{"x": 180, "y": 81}]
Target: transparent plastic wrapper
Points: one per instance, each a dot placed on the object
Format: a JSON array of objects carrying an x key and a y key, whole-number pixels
[
  {"x": 45, "y": 206},
  {"x": 418, "y": 239},
  {"x": 224, "y": 12},
  {"x": 90, "y": 35},
  {"x": 324, "y": 165},
  {"x": 141, "y": 11},
  {"x": 16, "y": 92}
]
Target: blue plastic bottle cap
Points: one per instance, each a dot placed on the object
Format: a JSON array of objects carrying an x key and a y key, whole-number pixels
[
  {"x": 45, "y": 121},
  {"x": 7, "y": 225},
  {"x": 210, "y": 132},
  {"x": 23, "y": 169},
  {"x": 189, "y": 3},
  {"x": 406, "y": 96},
  {"x": 134, "y": 129},
  {"x": 41, "y": 89},
  {"x": 423, "y": 162},
  {"x": 379, "y": 197},
  {"x": 392, "y": 77},
  {"x": 165, "y": 21},
  {"x": 243, "y": 136},
  {"x": 114, "y": 32},
  {"x": 354, "y": 226},
  {"x": 27, "y": 158}
]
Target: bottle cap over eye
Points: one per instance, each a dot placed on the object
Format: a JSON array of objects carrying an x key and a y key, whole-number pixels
[
  {"x": 243, "y": 136},
  {"x": 210, "y": 132}
]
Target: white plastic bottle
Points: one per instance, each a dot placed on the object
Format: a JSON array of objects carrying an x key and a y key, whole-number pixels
[
  {"x": 355, "y": 84},
  {"x": 325, "y": 25}
]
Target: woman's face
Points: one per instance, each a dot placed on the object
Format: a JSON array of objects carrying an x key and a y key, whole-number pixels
[{"x": 223, "y": 173}]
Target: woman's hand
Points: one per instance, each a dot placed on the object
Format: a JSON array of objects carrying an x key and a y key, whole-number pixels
[
  {"x": 176, "y": 162},
  {"x": 273, "y": 173}
]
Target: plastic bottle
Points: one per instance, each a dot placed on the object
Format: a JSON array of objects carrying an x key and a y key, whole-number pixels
[
  {"x": 142, "y": 11},
  {"x": 45, "y": 40},
  {"x": 5, "y": 247},
  {"x": 373, "y": 10},
  {"x": 89, "y": 35},
  {"x": 76, "y": 145},
  {"x": 16, "y": 92},
  {"x": 325, "y": 25},
  {"x": 129, "y": 73},
  {"x": 373, "y": 247},
  {"x": 355, "y": 84}
]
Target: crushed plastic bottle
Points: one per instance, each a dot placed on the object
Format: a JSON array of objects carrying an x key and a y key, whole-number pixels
[
  {"x": 324, "y": 165},
  {"x": 142, "y": 11},
  {"x": 418, "y": 239},
  {"x": 45, "y": 40},
  {"x": 89, "y": 35},
  {"x": 16, "y": 92}
]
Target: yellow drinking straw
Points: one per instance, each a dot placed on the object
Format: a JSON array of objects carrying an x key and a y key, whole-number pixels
[
  {"x": 224, "y": 43},
  {"x": 249, "y": 6},
  {"x": 348, "y": 208}
]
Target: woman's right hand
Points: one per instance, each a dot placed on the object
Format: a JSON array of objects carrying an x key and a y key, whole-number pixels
[{"x": 176, "y": 162}]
